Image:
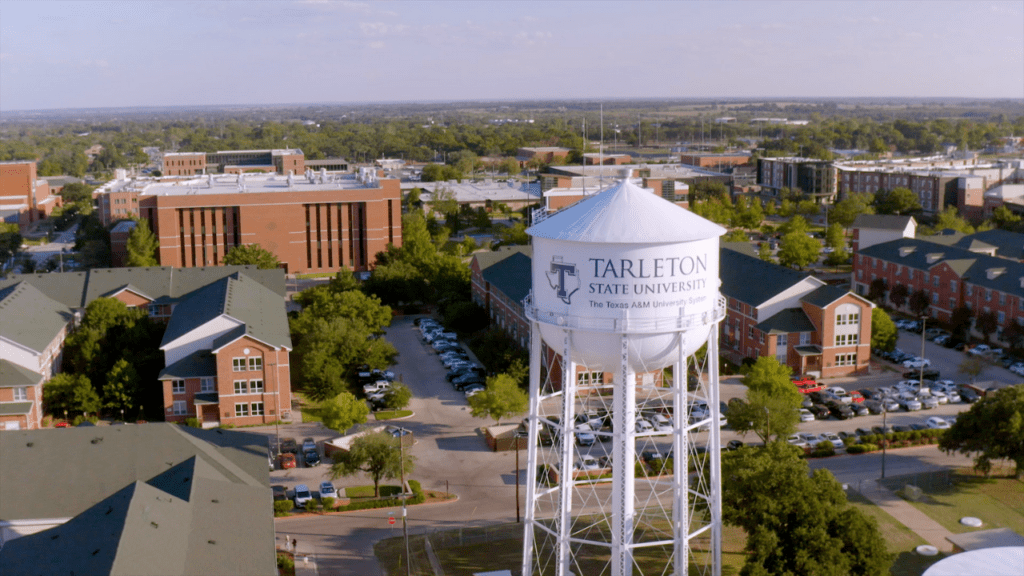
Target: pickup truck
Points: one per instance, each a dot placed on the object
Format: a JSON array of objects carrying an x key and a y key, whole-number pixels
[{"x": 378, "y": 386}]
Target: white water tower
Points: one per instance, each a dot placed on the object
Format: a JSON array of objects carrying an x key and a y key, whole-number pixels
[{"x": 625, "y": 292}]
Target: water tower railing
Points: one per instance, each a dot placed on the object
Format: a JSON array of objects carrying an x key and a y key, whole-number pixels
[{"x": 625, "y": 324}]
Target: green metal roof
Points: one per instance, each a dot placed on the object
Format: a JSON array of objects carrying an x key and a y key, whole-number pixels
[
  {"x": 14, "y": 408},
  {"x": 12, "y": 375},
  {"x": 511, "y": 276},
  {"x": 196, "y": 365},
  {"x": 485, "y": 260},
  {"x": 30, "y": 318},
  {"x": 739, "y": 270},
  {"x": 1007, "y": 244},
  {"x": 808, "y": 350},
  {"x": 238, "y": 297},
  {"x": 825, "y": 295},
  {"x": 787, "y": 321}
]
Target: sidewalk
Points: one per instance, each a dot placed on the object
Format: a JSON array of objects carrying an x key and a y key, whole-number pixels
[
  {"x": 905, "y": 513},
  {"x": 305, "y": 560}
]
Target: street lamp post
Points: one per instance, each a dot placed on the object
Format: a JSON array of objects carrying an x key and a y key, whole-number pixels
[
  {"x": 517, "y": 436},
  {"x": 924, "y": 320},
  {"x": 885, "y": 413},
  {"x": 405, "y": 525}
]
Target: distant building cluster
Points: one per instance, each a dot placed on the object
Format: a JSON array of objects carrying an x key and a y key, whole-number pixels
[{"x": 24, "y": 197}]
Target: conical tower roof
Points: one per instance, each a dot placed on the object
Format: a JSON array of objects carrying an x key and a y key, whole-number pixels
[{"x": 625, "y": 214}]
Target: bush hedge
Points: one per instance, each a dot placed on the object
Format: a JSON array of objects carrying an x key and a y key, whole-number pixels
[{"x": 283, "y": 507}]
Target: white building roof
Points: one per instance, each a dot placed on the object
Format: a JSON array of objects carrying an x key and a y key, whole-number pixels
[
  {"x": 1004, "y": 561},
  {"x": 480, "y": 191},
  {"x": 254, "y": 184},
  {"x": 625, "y": 214}
]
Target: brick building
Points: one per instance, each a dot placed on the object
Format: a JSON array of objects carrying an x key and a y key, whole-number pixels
[
  {"x": 601, "y": 159},
  {"x": 214, "y": 315},
  {"x": 545, "y": 154},
  {"x": 815, "y": 178},
  {"x": 950, "y": 275},
  {"x": 234, "y": 162},
  {"x": 24, "y": 197},
  {"x": 312, "y": 223},
  {"x": 718, "y": 162},
  {"x": 806, "y": 324}
]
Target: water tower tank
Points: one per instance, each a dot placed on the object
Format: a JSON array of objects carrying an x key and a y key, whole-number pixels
[{"x": 626, "y": 261}]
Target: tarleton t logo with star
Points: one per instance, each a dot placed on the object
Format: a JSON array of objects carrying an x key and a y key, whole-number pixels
[{"x": 563, "y": 278}]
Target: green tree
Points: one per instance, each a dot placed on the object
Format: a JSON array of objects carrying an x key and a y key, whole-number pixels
[
  {"x": 330, "y": 349},
  {"x": 122, "y": 387},
  {"x": 883, "y": 330},
  {"x": 1014, "y": 334},
  {"x": 919, "y": 302},
  {"x": 772, "y": 401},
  {"x": 412, "y": 199},
  {"x": 837, "y": 257},
  {"x": 736, "y": 236},
  {"x": 896, "y": 201},
  {"x": 986, "y": 323},
  {"x": 835, "y": 237},
  {"x": 846, "y": 210},
  {"x": 514, "y": 235},
  {"x": 950, "y": 219},
  {"x": 960, "y": 322},
  {"x": 993, "y": 429},
  {"x": 764, "y": 252},
  {"x": 142, "y": 245},
  {"x": 503, "y": 398},
  {"x": 1004, "y": 219},
  {"x": 898, "y": 295},
  {"x": 71, "y": 393},
  {"x": 76, "y": 192},
  {"x": 343, "y": 411},
  {"x": 397, "y": 397},
  {"x": 798, "y": 249},
  {"x": 795, "y": 224},
  {"x": 509, "y": 166},
  {"x": 972, "y": 366},
  {"x": 877, "y": 289},
  {"x": 10, "y": 240},
  {"x": 377, "y": 454},
  {"x": 797, "y": 522},
  {"x": 251, "y": 255}
]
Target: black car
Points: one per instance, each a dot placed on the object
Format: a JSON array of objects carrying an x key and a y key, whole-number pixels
[
  {"x": 820, "y": 411},
  {"x": 863, "y": 432},
  {"x": 874, "y": 406},
  {"x": 280, "y": 492},
  {"x": 968, "y": 395},
  {"x": 918, "y": 426},
  {"x": 734, "y": 445},
  {"x": 466, "y": 378},
  {"x": 880, "y": 430},
  {"x": 461, "y": 385},
  {"x": 860, "y": 409},
  {"x": 840, "y": 410},
  {"x": 928, "y": 374},
  {"x": 312, "y": 458},
  {"x": 901, "y": 428},
  {"x": 459, "y": 372},
  {"x": 289, "y": 445}
]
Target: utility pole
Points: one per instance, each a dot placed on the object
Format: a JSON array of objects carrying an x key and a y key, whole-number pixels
[
  {"x": 518, "y": 436},
  {"x": 405, "y": 525},
  {"x": 924, "y": 320}
]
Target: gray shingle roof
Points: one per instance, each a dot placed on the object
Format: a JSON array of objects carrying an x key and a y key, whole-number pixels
[
  {"x": 12, "y": 375},
  {"x": 196, "y": 365},
  {"x": 238, "y": 297},
  {"x": 1007, "y": 244},
  {"x": 752, "y": 280},
  {"x": 825, "y": 295},
  {"x": 487, "y": 259},
  {"x": 14, "y": 408},
  {"x": 512, "y": 276},
  {"x": 787, "y": 321},
  {"x": 882, "y": 221},
  {"x": 30, "y": 318},
  {"x": 152, "y": 499},
  {"x": 975, "y": 273}
]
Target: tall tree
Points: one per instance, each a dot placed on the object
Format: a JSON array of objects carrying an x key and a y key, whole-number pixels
[
  {"x": 10, "y": 241},
  {"x": 764, "y": 252},
  {"x": 142, "y": 245},
  {"x": 835, "y": 237},
  {"x": 993, "y": 429},
  {"x": 972, "y": 366},
  {"x": 772, "y": 402},
  {"x": 960, "y": 322},
  {"x": 122, "y": 388},
  {"x": 987, "y": 323},
  {"x": 919, "y": 302},
  {"x": 796, "y": 522},
  {"x": 897, "y": 201},
  {"x": 377, "y": 454},
  {"x": 503, "y": 398},
  {"x": 883, "y": 330},
  {"x": 798, "y": 249},
  {"x": 71, "y": 393},
  {"x": 397, "y": 397},
  {"x": 846, "y": 210},
  {"x": 251, "y": 255},
  {"x": 877, "y": 290},
  {"x": 898, "y": 295}
]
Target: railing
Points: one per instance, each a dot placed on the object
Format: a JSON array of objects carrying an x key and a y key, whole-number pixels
[{"x": 626, "y": 324}]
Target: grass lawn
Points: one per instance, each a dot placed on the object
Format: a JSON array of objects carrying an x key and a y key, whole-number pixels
[
  {"x": 899, "y": 539},
  {"x": 310, "y": 408},
  {"x": 366, "y": 492},
  {"x": 997, "y": 501},
  {"x": 391, "y": 414}
]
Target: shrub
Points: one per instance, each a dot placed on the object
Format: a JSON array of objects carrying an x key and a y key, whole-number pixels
[
  {"x": 861, "y": 448},
  {"x": 328, "y": 503},
  {"x": 192, "y": 422},
  {"x": 283, "y": 507},
  {"x": 823, "y": 450},
  {"x": 312, "y": 505},
  {"x": 915, "y": 435},
  {"x": 285, "y": 563}
]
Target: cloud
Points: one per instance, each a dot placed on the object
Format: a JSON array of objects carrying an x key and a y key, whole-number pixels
[
  {"x": 381, "y": 29},
  {"x": 376, "y": 45}
]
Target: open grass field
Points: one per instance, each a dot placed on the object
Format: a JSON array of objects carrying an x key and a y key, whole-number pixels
[{"x": 998, "y": 501}]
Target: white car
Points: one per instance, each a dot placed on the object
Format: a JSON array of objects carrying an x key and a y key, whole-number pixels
[
  {"x": 797, "y": 440},
  {"x": 812, "y": 440},
  {"x": 890, "y": 405},
  {"x": 928, "y": 401},
  {"x": 940, "y": 396},
  {"x": 302, "y": 495},
  {"x": 660, "y": 423},
  {"x": 643, "y": 426},
  {"x": 909, "y": 403},
  {"x": 837, "y": 390},
  {"x": 806, "y": 416},
  {"x": 917, "y": 363},
  {"x": 588, "y": 463},
  {"x": 979, "y": 350},
  {"x": 474, "y": 390},
  {"x": 937, "y": 423},
  {"x": 834, "y": 438}
]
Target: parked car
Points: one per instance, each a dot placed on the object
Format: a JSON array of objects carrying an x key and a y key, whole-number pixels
[
  {"x": 660, "y": 423},
  {"x": 860, "y": 409},
  {"x": 918, "y": 426},
  {"x": 968, "y": 395},
  {"x": 863, "y": 432},
  {"x": 588, "y": 463},
  {"x": 909, "y": 403},
  {"x": 916, "y": 374},
  {"x": 811, "y": 439},
  {"x": 474, "y": 389},
  {"x": 642, "y": 425},
  {"x": 917, "y": 363},
  {"x": 302, "y": 495},
  {"x": 833, "y": 438},
  {"x": 797, "y": 440},
  {"x": 286, "y": 460},
  {"x": 928, "y": 401},
  {"x": 937, "y": 423},
  {"x": 280, "y": 492},
  {"x": 820, "y": 411},
  {"x": 311, "y": 458},
  {"x": 585, "y": 435},
  {"x": 881, "y": 430},
  {"x": 840, "y": 411},
  {"x": 327, "y": 490},
  {"x": 979, "y": 350},
  {"x": 806, "y": 415},
  {"x": 734, "y": 445},
  {"x": 289, "y": 445},
  {"x": 308, "y": 444}
]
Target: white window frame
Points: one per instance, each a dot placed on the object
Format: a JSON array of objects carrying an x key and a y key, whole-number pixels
[
  {"x": 241, "y": 409},
  {"x": 177, "y": 386},
  {"x": 256, "y": 409},
  {"x": 238, "y": 364},
  {"x": 846, "y": 359},
  {"x": 21, "y": 393},
  {"x": 805, "y": 338},
  {"x": 206, "y": 384},
  {"x": 241, "y": 386},
  {"x": 255, "y": 363},
  {"x": 179, "y": 408},
  {"x": 255, "y": 386}
]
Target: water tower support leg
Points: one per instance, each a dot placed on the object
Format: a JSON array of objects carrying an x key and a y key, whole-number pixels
[
  {"x": 531, "y": 458},
  {"x": 623, "y": 459},
  {"x": 715, "y": 453},
  {"x": 680, "y": 463},
  {"x": 566, "y": 483}
]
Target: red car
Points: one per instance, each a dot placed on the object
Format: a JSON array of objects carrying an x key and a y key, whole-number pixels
[
  {"x": 287, "y": 460},
  {"x": 808, "y": 385},
  {"x": 857, "y": 397}
]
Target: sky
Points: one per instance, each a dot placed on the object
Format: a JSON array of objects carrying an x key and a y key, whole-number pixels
[{"x": 87, "y": 54}]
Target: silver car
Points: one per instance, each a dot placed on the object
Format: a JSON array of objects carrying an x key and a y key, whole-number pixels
[
  {"x": 909, "y": 403},
  {"x": 928, "y": 401}
]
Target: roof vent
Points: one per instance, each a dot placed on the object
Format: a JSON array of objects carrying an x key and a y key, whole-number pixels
[
  {"x": 934, "y": 257},
  {"x": 906, "y": 251},
  {"x": 993, "y": 273}
]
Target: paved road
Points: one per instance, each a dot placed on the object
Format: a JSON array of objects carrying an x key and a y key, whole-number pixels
[{"x": 947, "y": 360}]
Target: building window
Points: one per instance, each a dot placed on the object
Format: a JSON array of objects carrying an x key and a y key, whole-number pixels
[
  {"x": 241, "y": 410},
  {"x": 1002, "y": 317},
  {"x": 255, "y": 363},
  {"x": 847, "y": 319},
  {"x": 988, "y": 295},
  {"x": 1002, "y": 299},
  {"x": 179, "y": 407},
  {"x": 935, "y": 280},
  {"x": 241, "y": 387},
  {"x": 590, "y": 378},
  {"x": 952, "y": 285},
  {"x": 805, "y": 338},
  {"x": 847, "y": 339},
  {"x": 935, "y": 297},
  {"x": 238, "y": 364},
  {"x": 154, "y": 310},
  {"x": 255, "y": 386},
  {"x": 206, "y": 384},
  {"x": 750, "y": 332},
  {"x": 257, "y": 408},
  {"x": 970, "y": 290},
  {"x": 760, "y": 337},
  {"x": 21, "y": 393},
  {"x": 952, "y": 303},
  {"x": 177, "y": 386},
  {"x": 846, "y": 359}
]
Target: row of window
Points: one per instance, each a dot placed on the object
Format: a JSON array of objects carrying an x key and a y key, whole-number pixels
[
  {"x": 241, "y": 409},
  {"x": 935, "y": 279},
  {"x": 252, "y": 363},
  {"x": 206, "y": 384},
  {"x": 248, "y": 387},
  {"x": 847, "y": 319},
  {"x": 846, "y": 359},
  {"x": 847, "y": 339}
]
